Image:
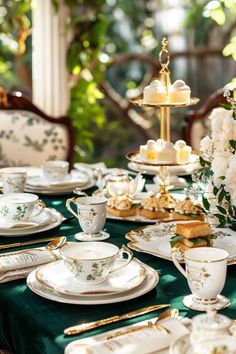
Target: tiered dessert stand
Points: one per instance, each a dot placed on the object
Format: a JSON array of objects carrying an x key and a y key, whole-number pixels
[{"x": 163, "y": 170}]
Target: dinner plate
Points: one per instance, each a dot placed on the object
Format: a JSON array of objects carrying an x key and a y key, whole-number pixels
[
  {"x": 53, "y": 191},
  {"x": 183, "y": 170},
  {"x": 49, "y": 219},
  {"x": 149, "y": 283},
  {"x": 155, "y": 240},
  {"x": 57, "y": 277},
  {"x": 71, "y": 180}
]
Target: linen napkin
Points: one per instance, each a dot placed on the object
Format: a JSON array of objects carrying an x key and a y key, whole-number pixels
[
  {"x": 17, "y": 265},
  {"x": 143, "y": 341}
]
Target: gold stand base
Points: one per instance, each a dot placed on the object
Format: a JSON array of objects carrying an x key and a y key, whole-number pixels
[{"x": 166, "y": 199}]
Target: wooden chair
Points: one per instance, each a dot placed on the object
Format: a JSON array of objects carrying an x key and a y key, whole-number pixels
[
  {"x": 197, "y": 124},
  {"x": 28, "y": 137}
]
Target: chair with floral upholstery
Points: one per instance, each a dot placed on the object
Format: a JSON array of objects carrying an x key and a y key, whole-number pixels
[
  {"x": 28, "y": 137},
  {"x": 197, "y": 123}
]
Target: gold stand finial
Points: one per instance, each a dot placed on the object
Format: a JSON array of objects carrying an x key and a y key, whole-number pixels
[{"x": 164, "y": 57}]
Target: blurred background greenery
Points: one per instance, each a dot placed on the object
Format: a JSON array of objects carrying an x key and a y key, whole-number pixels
[{"x": 113, "y": 54}]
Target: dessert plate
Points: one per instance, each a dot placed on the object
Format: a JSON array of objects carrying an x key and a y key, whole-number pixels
[
  {"x": 155, "y": 240},
  {"x": 48, "y": 219},
  {"x": 149, "y": 283},
  {"x": 57, "y": 277},
  {"x": 182, "y": 345}
]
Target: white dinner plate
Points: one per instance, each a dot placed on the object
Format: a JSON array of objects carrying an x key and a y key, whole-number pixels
[
  {"x": 57, "y": 277},
  {"x": 149, "y": 283},
  {"x": 52, "y": 191},
  {"x": 49, "y": 219},
  {"x": 70, "y": 181},
  {"x": 155, "y": 240},
  {"x": 183, "y": 170}
]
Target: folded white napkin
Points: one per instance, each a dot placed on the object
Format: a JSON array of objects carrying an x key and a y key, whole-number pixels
[
  {"x": 143, "y": 341},
  {"x": 17, "y": 265}
]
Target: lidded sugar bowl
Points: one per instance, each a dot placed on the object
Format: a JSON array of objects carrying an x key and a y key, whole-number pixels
[{"x": 209, "y": 325}]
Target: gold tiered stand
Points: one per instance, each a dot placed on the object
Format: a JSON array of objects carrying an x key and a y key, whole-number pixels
[{"x": 163, "y": 169}]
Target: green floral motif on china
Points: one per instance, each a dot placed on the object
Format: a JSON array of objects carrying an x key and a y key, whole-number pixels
[
  {"x": 20, "y": 212},
  {"x": 4, "y": 210},
  {"x": 198, "y": 276},
  {"x": 88, "y": 215},
  {"x": 97, "y": 270}
]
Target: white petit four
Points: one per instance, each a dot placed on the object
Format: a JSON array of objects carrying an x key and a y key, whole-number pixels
[
  {"x": 179, "y": 92},
  {"x": 155, "y": 93}
]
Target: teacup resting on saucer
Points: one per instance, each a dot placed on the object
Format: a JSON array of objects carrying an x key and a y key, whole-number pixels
[
  {"x": 19, "y": 207},
  {"x": 55, "y": 170},
  {"x": 91, "y": 214},
  {"x": 205, "y": 270},
  {"x": 92, "y": 262}
]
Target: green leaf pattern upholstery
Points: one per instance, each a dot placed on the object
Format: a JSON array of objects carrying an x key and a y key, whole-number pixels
[{"x": 27, "y": 139}]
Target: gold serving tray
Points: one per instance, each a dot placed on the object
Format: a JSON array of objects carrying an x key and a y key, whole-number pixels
[
  {"x": 138, "y": 101},
  {"x": 133, "y": 156}
]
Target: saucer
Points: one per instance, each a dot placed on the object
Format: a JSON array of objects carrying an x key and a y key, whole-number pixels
[
  {"x": 56, "y": 276},
  {"x": 150, "y": 282},
  {"x": 182, "y": 345},
  {"x": 82, "y": 236},
  {"x": 190, "y": 302},
  {"x": 48, "y": 219}
]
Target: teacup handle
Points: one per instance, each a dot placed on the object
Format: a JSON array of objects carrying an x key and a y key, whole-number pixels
[
  {"x": 122, "y": 251},
  {"x": 40, "y": 205},
  {"x": 174, "y": 252},
  {"x": 78, "y": 191},
  {"x": 68, "y": 202}
]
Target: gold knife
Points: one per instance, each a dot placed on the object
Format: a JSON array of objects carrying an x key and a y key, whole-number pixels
[
  {"x": 26, "y": 243},
  {"x": 84, "y": 327}
]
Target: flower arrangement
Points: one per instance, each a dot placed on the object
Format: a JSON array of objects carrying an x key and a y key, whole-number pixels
[{"x": 218, "y": 162}]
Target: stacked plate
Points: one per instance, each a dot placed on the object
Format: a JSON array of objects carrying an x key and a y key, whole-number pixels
[
  {"x": 46, "y": 220},
  {"x": 40, "y": 185},
  {"x": 55, "y": 282}
]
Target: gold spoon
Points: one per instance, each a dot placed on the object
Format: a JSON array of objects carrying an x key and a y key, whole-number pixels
[{"x": 56, "y": 243}]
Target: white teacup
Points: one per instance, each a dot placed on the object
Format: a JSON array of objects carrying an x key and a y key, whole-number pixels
[
  {"x": 13, "y": 180},
  {"x": 18, "y": 207},
  {"x": 205, "y": 271},
  {"x": 91, "y": 213},
  {"x": 92, "y": 262},
  {"x": 55, "y": 170}
]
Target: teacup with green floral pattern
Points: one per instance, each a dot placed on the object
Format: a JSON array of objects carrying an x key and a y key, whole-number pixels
[
  {"x": 18, "y": 207},
  {"x": 13, "y": 180},
  {"x": 92, "y": 262}
]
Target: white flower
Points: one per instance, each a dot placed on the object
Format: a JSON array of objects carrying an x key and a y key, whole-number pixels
[
  {"x": 230, "y": 179},
  {"x": 206, "y": 146},
  {"x": 223, "y": 128},
  {"x": 219, "y": 165}
]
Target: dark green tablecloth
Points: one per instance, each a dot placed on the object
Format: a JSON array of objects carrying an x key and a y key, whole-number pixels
[{"x": 31, "y": 324}]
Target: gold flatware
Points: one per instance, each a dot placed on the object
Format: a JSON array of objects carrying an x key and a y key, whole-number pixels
[
  {"x": 26, "y": 243},
  {"x": 172, "y": 313},
  {"x": 84, "y": 327}
]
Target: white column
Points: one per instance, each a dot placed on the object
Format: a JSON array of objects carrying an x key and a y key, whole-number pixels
[{"x": 49, "y": 71}]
